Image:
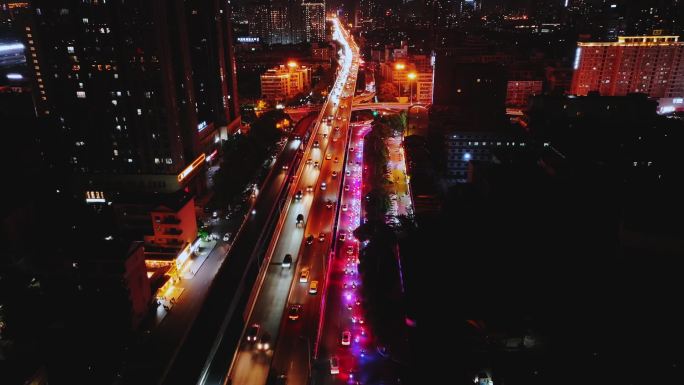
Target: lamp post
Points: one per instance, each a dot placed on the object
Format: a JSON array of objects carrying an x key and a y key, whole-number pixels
[
  {"x": 411, "y": 77},
  {"x": 399, "y": 67}
]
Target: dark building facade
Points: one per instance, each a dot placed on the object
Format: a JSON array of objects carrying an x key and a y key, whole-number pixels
[
  {"x": 136, "y": 88},
  {"x": 474, "y": 91}
]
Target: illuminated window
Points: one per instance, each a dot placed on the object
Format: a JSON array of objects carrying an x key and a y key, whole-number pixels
[
  {"x": 80, "y": 94},
  {"x": 70, "y": 49},
  {"x": 114, "y": 102},
  {"x": 116, "y": 152},
  {"x": 139, "y": 111}
]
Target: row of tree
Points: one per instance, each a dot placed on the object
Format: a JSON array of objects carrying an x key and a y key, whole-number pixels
[
  {"x": 378, "y": 263},
  {"x": 244, "y": 155}
]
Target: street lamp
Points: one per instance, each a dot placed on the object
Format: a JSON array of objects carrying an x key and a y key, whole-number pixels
[
  {"x": 411, "y": 76},
  {"x": 292, "y": 64}
]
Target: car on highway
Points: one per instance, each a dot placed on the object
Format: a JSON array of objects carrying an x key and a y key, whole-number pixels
[
  {"x": 343, "y": 237},
  {"x": 300, "y": 219},
  {"x": 253, "y": 332},
  {"x": 316, "y": 144},
  {"x": 313, "y": 287},
  {"x": 346, "y": 187},
  {"x": 294, "y": 311},
  {"x": 304, "y": 276},
  {"x": 337, "y": 128},
  {"x": 315, "y": 164},
  {"x": 334, "y": 174},
  {"x": 309, "y": 188},
  {"x": 285, "y": 167},
  {"x": 329, "y": 204},
  {"x": 483, "y": 378},
  {"x": 308, "y": 162},
  {"x": 334, "y": 365},
  {"x": 348, "y": 172},
  {"x": 344, "y": 207},
  {"x": 350, "y": 250},
  {"x": 298, "y": 195},
  {"x": 351, "y": 149},
  {"x": 328, "y": 156},
  {"x": 309, "y": 239},
  {"x": 323, "y": 185},
  {"x": 226, "y": 237},
  {"x": 264, "y": 342},
  {"x": 287, "y": 260},
  {"x": 346, "y": 338},
  {"x": 336, "y": 160}
]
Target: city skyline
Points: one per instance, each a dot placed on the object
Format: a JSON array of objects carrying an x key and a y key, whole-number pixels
[{"x": 271, "y": 192}]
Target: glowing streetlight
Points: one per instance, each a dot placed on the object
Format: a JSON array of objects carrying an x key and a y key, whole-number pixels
[
  {"x": 411, "y": 76},
  {"x": 399, "y": 66},
  {"x": 292, "y": 64}
]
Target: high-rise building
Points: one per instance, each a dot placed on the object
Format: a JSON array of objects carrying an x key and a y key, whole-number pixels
[
  {"x": 139, "y": 91},
  {"x": 653, "y": 65},
  {"x": 314, "y": 21},
  {"x": 286, "y": 22}
]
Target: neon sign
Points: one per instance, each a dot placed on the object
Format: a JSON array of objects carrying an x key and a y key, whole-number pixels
[{"x": 188, "y": 170}]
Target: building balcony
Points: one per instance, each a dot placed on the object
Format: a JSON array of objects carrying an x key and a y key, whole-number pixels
[
  {"x": 173, "y": 231},
  {"x": 170, "y": 221}
]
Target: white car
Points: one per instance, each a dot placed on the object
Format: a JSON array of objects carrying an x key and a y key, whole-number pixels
[
  {"x": 226, "y": 237},
  {"x": 346, "y": 338},
  {"x": 334, "y": 365}
]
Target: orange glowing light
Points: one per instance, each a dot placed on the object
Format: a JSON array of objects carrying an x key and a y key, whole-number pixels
[
  {"x": 399, "y": 66},
  {"x": 411, "y": 75},
  {"x": 292, "y": 64}
]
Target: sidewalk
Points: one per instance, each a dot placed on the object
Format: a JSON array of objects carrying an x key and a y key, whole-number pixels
[{"x": 397, "y": 165}]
